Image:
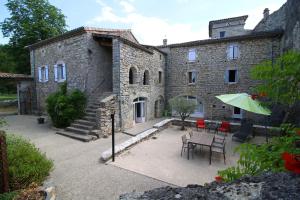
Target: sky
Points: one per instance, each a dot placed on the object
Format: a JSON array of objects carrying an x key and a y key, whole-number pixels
[{"x": 153, "y": 20}]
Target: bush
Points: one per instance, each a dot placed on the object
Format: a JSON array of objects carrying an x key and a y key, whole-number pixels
[
  {"x": 64, "y": 107},
  {"x": 255, "y": 160},
  {"x": 8, "y": 195},
  {"x": 26, "y": 163}
]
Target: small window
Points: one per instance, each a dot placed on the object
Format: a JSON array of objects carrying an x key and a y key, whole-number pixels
[
  {"x": 146, "y": 78},
  {"x": 233, "y": 52},
  {"x": 60, "y": 72},
  {"x": 159, "y": 56},
  {"x": 159, "y": 77},
  {"x": 237, "y": 113},
  {"x": 222, "y": 34},
  {"x": 43, "y": 74},
  {"x": 192, "y": 55},
  {"x": 192, "y": 77},
  {"x": 132, "y": 75},
  {"x": 231, "y": 76}
]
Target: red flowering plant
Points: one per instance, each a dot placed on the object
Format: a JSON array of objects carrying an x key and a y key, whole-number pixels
[
  {"x": 291, "y": 162},
  {"x": 218, "y": 179}
]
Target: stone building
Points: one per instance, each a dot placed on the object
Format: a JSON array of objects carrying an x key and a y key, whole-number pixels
[{"x": 119, "y": 75}]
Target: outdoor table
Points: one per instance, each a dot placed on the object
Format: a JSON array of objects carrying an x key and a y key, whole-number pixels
[{"x": 203, "y": 139}]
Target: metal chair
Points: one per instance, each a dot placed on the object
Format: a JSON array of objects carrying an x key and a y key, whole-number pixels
[
  {"x": 185, "y": 145},
  {"x": 219, "y": 147}
]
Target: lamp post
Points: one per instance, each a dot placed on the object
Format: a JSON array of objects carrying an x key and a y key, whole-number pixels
[{"x": 113, "y": 134}]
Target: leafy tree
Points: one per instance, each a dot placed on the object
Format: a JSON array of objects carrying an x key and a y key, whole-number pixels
[
  {"x": 7, "y": 63},
  {"x": 30, "y": 22},
  {"x": 280, "y": 80},
  {"x": 182, "y": 107}
]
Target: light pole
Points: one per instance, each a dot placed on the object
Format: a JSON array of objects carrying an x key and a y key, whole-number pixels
[{"x": 113, "y": 134}]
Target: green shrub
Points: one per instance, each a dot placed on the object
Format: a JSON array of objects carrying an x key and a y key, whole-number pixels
[
  {"x": 64, "y": 107},
  {"x": 266, "y": 157},
  {"x": 8, "y": 195},
  {"x": 26, "y": 163}
]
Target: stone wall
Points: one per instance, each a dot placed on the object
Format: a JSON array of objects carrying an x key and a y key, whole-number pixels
[
  {"x": 232, "y": 28},
  {"x": 210, "y": 67},
  {"x": 107, "y": 106},
  {"x": 141, "y": 60},
  {"x": 87, "y": 65}
]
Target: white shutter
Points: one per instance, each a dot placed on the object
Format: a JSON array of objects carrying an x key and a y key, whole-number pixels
[
  {"x": 231, "y": 49},
  {"x": 40, "y": 74},
  {"x": 46, "y": 73},
  {"x": 237, "y": 52},
  {"x": 236, "y": 76},
  {"x": 226, "y": 76},
  {"x": 55, "y": 73},
  {"x": 64, "y": 72}
]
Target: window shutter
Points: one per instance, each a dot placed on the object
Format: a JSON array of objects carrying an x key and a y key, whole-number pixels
[
  {"x": 46, "y": 73},
  {"x": 55, "y": 73},
  {"x": 226, "y": 76},
  {"x": 64, "y": 72},
  {"x": 40, "y": 74},
  {"x": 231, "y": 49},
  {"x": 236, "y": 76},
  {"x": 237, "y": 52}
]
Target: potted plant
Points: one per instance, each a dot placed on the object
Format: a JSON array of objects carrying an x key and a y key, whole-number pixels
[{"x": 40, "y": 119}]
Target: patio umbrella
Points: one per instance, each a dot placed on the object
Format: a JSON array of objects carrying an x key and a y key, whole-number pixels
[{"x": 245, "y": 102}]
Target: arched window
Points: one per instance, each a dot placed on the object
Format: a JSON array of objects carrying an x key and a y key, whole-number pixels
[
  {"x": 132, "y": 75},
  {"x": 146, "y": 78}
]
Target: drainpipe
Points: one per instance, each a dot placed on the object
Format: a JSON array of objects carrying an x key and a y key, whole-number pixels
[{"x": 120, "y": 100}]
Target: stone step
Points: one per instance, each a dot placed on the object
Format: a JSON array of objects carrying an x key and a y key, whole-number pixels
[
  {"x": 78, "y": 130},
  {"x": 90, "y": 114},
  {"x": 93, "y": 107},
  {"x": 85, "y": 122},
  {"x": 91, "y": 119},
  {"x": 82, "y": 126},
  {"x": 90, "y": 110},
  {"x": 84, "y": 138}
]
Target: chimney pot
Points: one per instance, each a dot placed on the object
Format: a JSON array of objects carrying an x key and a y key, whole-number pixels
[
  {"x": 266, "y": 12},
  {"x": 165, "y": 42}
]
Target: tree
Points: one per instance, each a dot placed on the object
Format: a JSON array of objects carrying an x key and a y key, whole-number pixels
[
  {"x": 31, "y": 21},
  {"x": 280, "y": 80},
  {"x": 7, "y": 63},
  {"x": 182, "y": 107}
]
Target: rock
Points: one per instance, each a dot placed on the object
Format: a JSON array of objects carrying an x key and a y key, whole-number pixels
[{"x": 282, "y": 185}]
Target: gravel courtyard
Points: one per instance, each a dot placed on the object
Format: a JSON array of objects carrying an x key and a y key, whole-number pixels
[{"x": 78, "y": 173}]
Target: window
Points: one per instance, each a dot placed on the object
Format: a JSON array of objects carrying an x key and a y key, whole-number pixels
[
  {"x": 231, "y": 76},
  {"x": 159, "y": 77},
  {"x": 43, "y": 74},
  {"x": 146, "y": 78},
  {"x": 199, "y": 111},
  {"x": 192, "y": 77},
  {"x": 192, "y": 55},
  {"x": 237, "y": 113},
  {"x": 60, "y": 72},
  {"x": 233, "y": 52},
  {"x": 222, "y": 34},
  {"x": 132, "y": 75}
]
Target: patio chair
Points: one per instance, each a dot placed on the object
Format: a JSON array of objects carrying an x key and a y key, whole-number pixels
[
  {"x": 225, "y": 127},
  {"x": 219, "y": 138},
  {"x": 200, "y": 124},
  {"x": 218, "y": 147},
  {"x": 185, "y": 145},
  {"x": 245, "y": 131}
]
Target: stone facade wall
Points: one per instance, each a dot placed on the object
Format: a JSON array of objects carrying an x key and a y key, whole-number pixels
[
  {"x": 232, "y": 28},
  {"x": 87, "y": 65},
  {"x": 107, "y": 106},
  {"x": 210, "y": 67},
  {"x": 141, "y": 60}
]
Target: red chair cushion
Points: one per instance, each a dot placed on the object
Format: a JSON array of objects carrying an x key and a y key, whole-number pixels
[{"x": 200, "y": 123}]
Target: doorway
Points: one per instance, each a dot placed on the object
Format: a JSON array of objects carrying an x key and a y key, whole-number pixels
[{"x": 139, "y": 110}]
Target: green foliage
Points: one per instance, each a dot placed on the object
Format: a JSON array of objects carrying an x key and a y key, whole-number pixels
[
  {"x": 8, "y": 97},
  {"x": 280, "y": 80},
  {"x": 266, "y": 157},
  {"x": 26, "y": 163},
  {"x": 30, "y": 21},
  {"x": 64, "y": 107},
  {"x": 2, "y": 122},
  {"x": 7, "y": 63},
  {"x": 183, "y": 107},
  {"x": 8, "y": 195}
]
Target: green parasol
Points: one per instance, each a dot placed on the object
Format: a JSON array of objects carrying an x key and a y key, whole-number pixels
[{"x": 245, "y": 102}]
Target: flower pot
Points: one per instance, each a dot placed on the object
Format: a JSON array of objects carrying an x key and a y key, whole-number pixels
[{"x": 41, "y": 120}]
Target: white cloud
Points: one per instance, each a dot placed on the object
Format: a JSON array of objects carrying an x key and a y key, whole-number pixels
[{"x": 148, "y": 30}]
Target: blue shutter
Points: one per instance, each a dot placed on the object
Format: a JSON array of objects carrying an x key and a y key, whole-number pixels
[
  {"x": 55, "y": 73},
  {"x": 64, "y": 72},
  {"x": 236, "y": 76},
  {"x": 40, "y": 74},
  {"x": 46, "y": 73},
  {"x": 226, "y": 76}
]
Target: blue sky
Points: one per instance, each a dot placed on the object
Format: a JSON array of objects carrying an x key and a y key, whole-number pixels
[{"x": 152, "y": 20}]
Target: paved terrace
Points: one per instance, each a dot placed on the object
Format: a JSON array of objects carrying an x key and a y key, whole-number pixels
[{"x": 78, "y": 173}]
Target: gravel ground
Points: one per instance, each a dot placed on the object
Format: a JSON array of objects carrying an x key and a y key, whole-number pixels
[{"x": 79, "y": 173}]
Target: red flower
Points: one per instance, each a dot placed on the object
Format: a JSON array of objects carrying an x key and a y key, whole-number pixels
[
  {"x": 291, "y": 162},
  {"x": 218, "y": 179},
  {"x": 254, "y": 96},
  {"x": 262, "y": 94}
]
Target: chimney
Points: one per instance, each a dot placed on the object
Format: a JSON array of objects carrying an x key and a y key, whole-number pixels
[
  {"x": 165, "y": 42},
  {"x": 266, "y": 13}
]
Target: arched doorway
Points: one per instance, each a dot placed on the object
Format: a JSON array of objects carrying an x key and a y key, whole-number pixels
[{"x": 139, "y": 110}]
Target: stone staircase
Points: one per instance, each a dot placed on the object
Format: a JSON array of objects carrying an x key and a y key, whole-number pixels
[{"x": 84, "y": 129}]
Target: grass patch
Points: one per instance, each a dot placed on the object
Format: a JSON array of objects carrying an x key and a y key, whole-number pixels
[
  {"x": 26, "y": 163},
  {"x": 8, "y": 97},
  {"x": 9, "y": 195}
]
